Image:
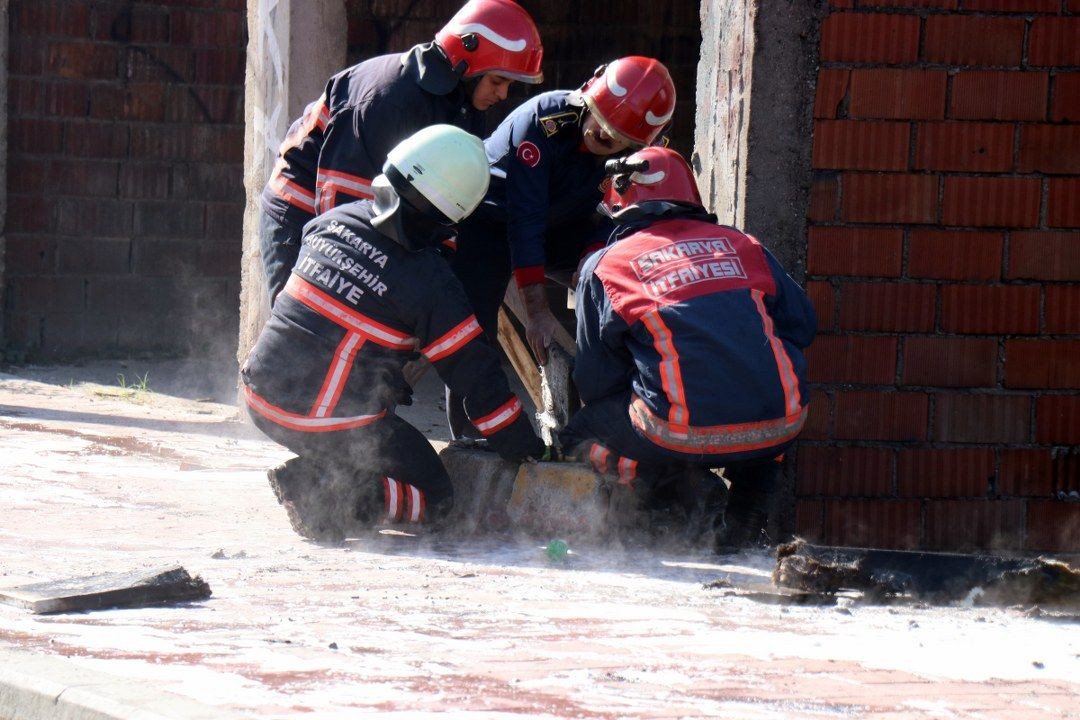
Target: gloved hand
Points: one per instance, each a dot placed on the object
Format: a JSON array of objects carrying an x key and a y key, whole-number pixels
[{"x": 540, "y": 324}]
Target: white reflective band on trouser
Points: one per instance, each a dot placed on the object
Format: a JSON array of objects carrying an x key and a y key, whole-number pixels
[
  {"x": 394, "y": 500},
  {"x": 503, "y": 416},
  {"x": 403, "y": 502}
]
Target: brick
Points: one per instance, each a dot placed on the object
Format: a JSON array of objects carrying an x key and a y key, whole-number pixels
[
  {"x": 96, "y": 140},
  {"x": 1014, "y": 6},
  {"x": 823, "y": 298},
  {"x": 93, "y": 256},
  {"x": 891, "y": 415},
  {"x": 170, "y": 258},
  {"x": 982, "y": 419},
  {"x": 219, "y": 67},
  {"x": 26, "y": 56},
  {"x": 992, "y": 201},
  {"x": 1026, "y": 473},
  {"x": 973, "y": 40},
  {"x": 190, "y": 103},
  {"x": 145, "y": 180},
  {"x": 1045, "y": 256},
  {"x": 29, "y": 214},
  {"x": 169, "y": 219},
  {"x": 892, "y": 94},
  {"x": 82, "y": 60},
  {"x": 852, "y": 359},
  {"x": 844, "y": 471},
  {"x": 82, "y": 177},
  {"x": 100, "y": 217},
  {"x": 201, "y": 143},
  {"x": 1057, "y": 419},
  {"x": 1053, "y": 149},
  {"x": 1062, "y": 309},
  {"x": 1042, "y": 364},
  {"x": 909, "y": 4},
  {"x": 873, "y": 523},
  {"x": 987, "y": 309},
  {"x": 165, "y": 64},
  {"x": 1052, "y": 41},
  {"x": 964, "y": 472},
  {"x": 853, "y": 144},
  {"x": 950, "y": 362},
  {"x": 870, "y": 38},
  {"x": 809, "y": 519},
  {"x": 26, "y": 176},
  {"x": 44, "y": 137},
  {"x": 49, "y": 20},
  {"x": 876, "y": 252},
  {"x": 982, "y": 525},
  {"x": 134, "y": 101},
  {"x": 1063, "y": 202},
  {"x": 30, "y": 255},
  {"x": 890, "y": 198},
  {"x": 824, "y": 199},
  {"x": 1053, "y": 525},
  {"x": 1066, "y": 103},
  {"x": 209, "y": 181},
  {"x": 224, "y": 221},
  {"x": 1065, "y": 464},
  {"x": 136, "y": 297},
  {"x": 139, "y": 25},
  {"x": 965, "y": 146},
  {"x": 26, "y": 96},
  {"x": 999, "y": 95},
  {"x": 206, "y": 29},
  {"x": 66, "y": 99},
  {"x": 887, "y": 307},
  {"x": 45, "y": 294},
  {"x": 831, "y": 90},
  {"x": 219, "y": 259},
  {"x": 817, "y": 425},
  {"x": 954, "y": 255}
]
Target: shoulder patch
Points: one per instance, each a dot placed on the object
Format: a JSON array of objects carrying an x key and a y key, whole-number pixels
[
  {"x": 528, "y": 153},
  {"x": 551, "y": 124}
]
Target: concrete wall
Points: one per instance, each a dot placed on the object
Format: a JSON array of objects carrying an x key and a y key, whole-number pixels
[{"x": 3, "y": 156}]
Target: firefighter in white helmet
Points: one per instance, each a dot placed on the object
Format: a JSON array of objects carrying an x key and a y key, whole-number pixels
[{"x": 368, "y": 293}]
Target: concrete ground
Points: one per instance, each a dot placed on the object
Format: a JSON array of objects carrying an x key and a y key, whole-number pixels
[{"x": 95, "y": 477}]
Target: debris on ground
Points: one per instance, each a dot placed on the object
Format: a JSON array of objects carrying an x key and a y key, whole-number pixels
[
  {"x": 137, "y": 588},
  {"x": 926, "y": 576}
]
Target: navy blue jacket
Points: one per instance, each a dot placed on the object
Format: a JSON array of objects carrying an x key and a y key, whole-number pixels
[
  {"x": 541, "y": 177},
  {"x": 357, "y": 307},
  {"x": 340, "y": 143},
  {"x": 707, "y": 330}
]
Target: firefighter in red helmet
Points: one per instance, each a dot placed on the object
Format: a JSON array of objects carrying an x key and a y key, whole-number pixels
[
  {"x": 334, "y": 150},
  {"x": 690, "y": 340}
]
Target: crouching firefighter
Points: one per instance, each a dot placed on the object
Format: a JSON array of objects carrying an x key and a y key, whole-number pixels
[
  {"x": 690, "y": 340},
  {"x": 369, "y": 292}
]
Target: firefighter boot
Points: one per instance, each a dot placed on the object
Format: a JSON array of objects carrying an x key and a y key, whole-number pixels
[{"x": 753, "y": 486}]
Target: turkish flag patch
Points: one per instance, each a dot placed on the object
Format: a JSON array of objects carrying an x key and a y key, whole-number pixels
[{"x": 528, "y": 153}]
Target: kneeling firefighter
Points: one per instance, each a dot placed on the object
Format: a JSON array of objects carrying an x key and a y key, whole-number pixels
[
  {"x": 690, "y": 340},
  {"x": 368, "y": 293}
]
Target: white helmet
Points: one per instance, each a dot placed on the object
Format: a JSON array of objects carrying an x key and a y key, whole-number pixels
[{"x": 445, "y": 165}]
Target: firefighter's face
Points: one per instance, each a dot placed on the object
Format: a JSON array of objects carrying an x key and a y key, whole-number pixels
[
  {"x": 596, "y": 139},
  {"x": 490, "y": 90}
]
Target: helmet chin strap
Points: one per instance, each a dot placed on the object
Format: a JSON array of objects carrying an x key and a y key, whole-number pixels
[{"x": 398, "y": 220}]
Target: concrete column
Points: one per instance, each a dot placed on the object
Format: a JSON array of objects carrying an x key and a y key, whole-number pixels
[
  {"x": 4, "y": 29},
  {"x": 294, "y": 46},
  {"x": 753, "y": 134}
]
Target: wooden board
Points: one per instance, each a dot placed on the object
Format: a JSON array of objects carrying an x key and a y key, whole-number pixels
[
  {"x": 95, "y": 592},
  {"x": 520, "y": 358}
]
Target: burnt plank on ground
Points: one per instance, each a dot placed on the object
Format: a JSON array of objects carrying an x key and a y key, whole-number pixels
[{"x": 110, "y": 590}]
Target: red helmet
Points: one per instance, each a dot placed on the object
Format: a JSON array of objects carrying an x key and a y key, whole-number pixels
[
  {"x": 632, "y": 98},
  {"x": 656, "y": 175},
  {"x": 493, "y": 36}
]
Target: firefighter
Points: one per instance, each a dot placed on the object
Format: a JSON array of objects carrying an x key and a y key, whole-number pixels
[
  {"x": 368, "y": 293},
  {"x": 333, "y": 151},
  {"x": 690, "y": 340},
  {"x": 547, "y": 166}
]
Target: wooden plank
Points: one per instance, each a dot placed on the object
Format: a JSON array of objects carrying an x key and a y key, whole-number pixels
[
  {"x": 95, "y": 592},
  {"x": 520, "y": 358}
]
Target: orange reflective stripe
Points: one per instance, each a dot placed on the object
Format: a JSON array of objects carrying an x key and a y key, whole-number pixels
[
  {"x": 495, "y": 421},
  {"x": 783, "y": 361},
  {"x": 347, "y": 317},
  {"x": 627, "y": 470},
  {"x": 304, "y": 423},
  {"x": 670, "y": 370},
  {"x": 715, "y": 439},
  {"x": 598, "y": 456},
  {"x": 454, "y": 340},
  {"x": 329, "y": 183},
  {"x": 292, "y": 193}
]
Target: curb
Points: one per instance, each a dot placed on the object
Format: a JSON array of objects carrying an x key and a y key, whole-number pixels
[{"x": 44, "y": 687}]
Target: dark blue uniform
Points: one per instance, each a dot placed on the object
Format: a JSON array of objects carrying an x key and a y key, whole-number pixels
[
  {"x": 539, "y": 213},
  {"x": 332, "y": 153},
  {"x": 325, "y": 375},
  {"x": 690, "y": 340}
]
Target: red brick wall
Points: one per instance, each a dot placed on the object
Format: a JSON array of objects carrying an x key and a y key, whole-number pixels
[
  {"x": 125, "y": 172},
  {"x": 944, "y": 260},
  {"x": 578, "y": 35}
]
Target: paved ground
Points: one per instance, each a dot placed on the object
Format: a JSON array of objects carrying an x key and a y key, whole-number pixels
[{"x": 98, "y": 478}]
